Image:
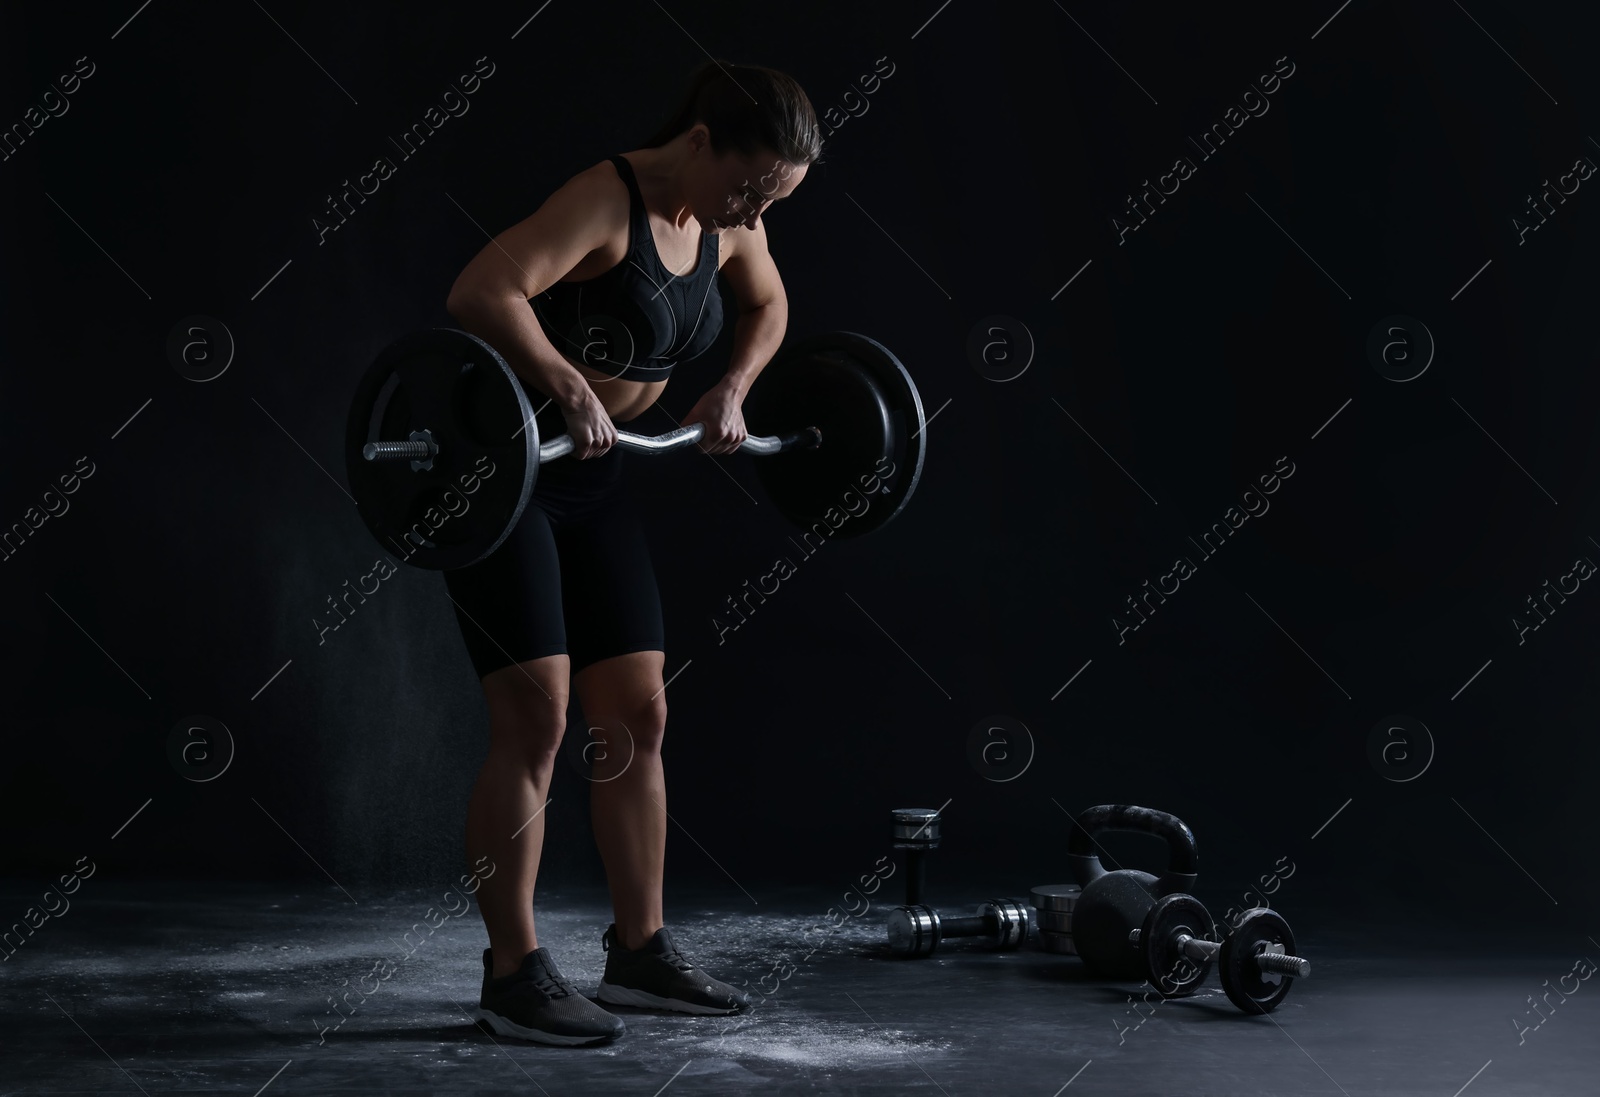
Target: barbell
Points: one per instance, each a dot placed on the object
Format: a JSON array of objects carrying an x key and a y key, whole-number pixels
[{"x": 443, "y": 451}]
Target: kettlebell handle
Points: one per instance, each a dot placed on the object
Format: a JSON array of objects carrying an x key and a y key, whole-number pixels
[{"x": 1182, "y": 856}]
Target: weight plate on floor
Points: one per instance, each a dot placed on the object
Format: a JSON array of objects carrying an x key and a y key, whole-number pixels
[
  {"x": 1057, "y": 942},
  {"x": 1172, "y": 972},
  {"x": 1246, "y": 985},
  {"x": 1058, "y": 897},
  {"x": 1055, "y": 921},
  {"x": 460, "y": 505},
  {"x": 869, "y": 412}
]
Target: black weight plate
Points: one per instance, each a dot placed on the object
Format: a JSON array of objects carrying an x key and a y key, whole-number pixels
[
  {"x": 869, "y": 412},
  {"x": 1170, "y": 971},
  {"x": 834, "y": 393},
  {"x": 455, "y": 386},
  {"x": 910, "y": 423},
  {"x": 1246, "y": 985}
]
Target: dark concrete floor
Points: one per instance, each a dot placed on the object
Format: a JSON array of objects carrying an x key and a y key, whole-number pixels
[{"x": 201, "y": 988}]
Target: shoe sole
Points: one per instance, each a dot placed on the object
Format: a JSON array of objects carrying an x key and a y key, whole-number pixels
[
  {"x": 510, "y": 1028},
  {"x": 626, "y": 996}
]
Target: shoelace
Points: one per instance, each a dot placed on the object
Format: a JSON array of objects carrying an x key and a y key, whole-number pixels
[
  {"x": 555, "y": 986},
  {"x": 675, "y": 958}
]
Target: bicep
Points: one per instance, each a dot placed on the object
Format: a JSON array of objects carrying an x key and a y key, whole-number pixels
[
  {"x": 750, "y": 271},
  {"x": 539, "y": 250}
]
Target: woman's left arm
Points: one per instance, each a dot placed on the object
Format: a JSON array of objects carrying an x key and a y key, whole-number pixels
[{"x": 757, "y": 334}]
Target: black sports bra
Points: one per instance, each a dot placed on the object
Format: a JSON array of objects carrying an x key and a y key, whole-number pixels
[{"x": 637, "y": 319}]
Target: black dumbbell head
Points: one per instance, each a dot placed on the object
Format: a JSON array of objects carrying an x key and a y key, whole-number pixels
[
  {"x": 1172, "y": 972},
  {"x": 1247, "y": 986}
]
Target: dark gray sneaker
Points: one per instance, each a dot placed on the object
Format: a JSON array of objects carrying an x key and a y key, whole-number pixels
[
  {"x": 536, "y": 1003},
  {"x": 658, "y": 977}
]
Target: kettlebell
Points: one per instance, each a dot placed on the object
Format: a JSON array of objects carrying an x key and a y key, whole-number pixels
[{"x": 1114, "y": 903}]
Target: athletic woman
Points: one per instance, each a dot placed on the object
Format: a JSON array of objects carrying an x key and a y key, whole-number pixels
[{"x": 619, "y": 267}]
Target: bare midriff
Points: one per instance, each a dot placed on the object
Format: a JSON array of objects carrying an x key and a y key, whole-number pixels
[{"x": 622, "y": 399}]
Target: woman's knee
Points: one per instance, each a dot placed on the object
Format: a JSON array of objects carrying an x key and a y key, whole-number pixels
[
  {"x": 527, "y": 709},
  {"x": 531, "y": 731},
  {"x": 643, "y": 719}
]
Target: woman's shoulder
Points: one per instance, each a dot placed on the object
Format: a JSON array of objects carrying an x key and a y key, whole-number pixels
[
  {"x": 599, "y": 181},
  {"x": 596, "y": 196}
]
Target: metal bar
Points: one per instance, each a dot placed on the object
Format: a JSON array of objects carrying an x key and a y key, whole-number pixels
[{"x": 683, "y": 437}]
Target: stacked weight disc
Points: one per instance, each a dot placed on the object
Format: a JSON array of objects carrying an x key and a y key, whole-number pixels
[{"x": 1054, "y": 903}]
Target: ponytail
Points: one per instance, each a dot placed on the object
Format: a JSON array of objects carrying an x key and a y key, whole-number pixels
[{"x": 746, "y": 108}]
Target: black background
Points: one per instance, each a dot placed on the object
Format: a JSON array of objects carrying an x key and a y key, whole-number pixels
[{"x": 985, "y": 173}]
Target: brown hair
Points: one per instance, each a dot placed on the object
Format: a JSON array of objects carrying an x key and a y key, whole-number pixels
[{"x": 747, "y": 108}]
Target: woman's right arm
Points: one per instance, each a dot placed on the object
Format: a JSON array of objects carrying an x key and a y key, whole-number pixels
[{"x": 490, "y": 298}]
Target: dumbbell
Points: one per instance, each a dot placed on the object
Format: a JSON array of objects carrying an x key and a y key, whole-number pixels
[
  {"x": 1257, "y": 960},
  {"x": 918, "y": 930},
  {"x": 916, "y": 830}
]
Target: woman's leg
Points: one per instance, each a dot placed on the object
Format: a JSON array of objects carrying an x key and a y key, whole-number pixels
[
  {"x": 625, "y": 707},
  {"x": 616, "y": 639},
  {"x": 505, "y": 816},
  {"x": 623, "y": 700},
  {"x": 510, "y": 613}
]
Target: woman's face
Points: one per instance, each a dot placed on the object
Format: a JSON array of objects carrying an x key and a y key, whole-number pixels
[{"x": 735, "y": 189}]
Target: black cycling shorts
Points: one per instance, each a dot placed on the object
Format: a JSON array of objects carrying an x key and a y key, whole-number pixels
[{"x": 574, "y": 577}]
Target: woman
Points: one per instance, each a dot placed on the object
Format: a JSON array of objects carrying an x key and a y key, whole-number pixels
[{"x": 619, "y": 265}]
